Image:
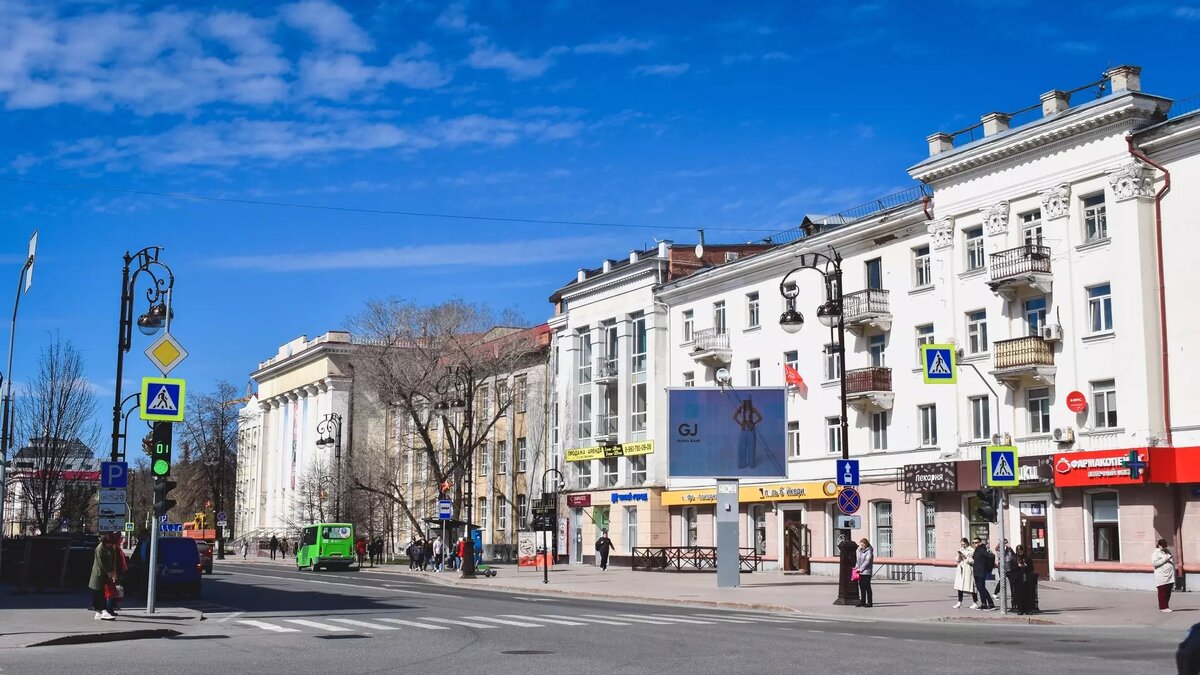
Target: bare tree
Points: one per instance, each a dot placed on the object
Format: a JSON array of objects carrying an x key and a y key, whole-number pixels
[
  {"x": 55, "y": 414},
  {"x": 313, "y": 496},
  {"x": 209, "y": 432},
  {"x": 423, "y": 362}
]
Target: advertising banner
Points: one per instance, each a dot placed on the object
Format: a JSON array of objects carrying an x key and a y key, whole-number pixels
[
  {"x": 932, "y": 477},
  {"x": 727, "y": 433},
  {"x": 1099, "y": 467},
  {"x": 601, "y": 452},
  {"x": 526, "y": 549}
]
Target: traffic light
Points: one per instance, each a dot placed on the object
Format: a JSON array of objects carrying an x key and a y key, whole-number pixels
[
  {"x": 162, "y": 488},
  {"x": 160, "y": 455},
  {"x": 989, "y": 506}
]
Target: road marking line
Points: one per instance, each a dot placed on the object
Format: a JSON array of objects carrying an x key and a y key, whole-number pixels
[
  {"x": 545, "y": 620},
  {"x": 506, "y": 622},
  {"x": 682, "y": 619},
  {"x": 365, "y": 624},
  {"x": 718, "y": 617},
  {"x": 268, "y": 626},
  {"x": 226, "y": 618},
  {"x": 530, "y": 599},
  {"x": 608, "y": 622},
  {"x": 656, "y": 622},
  {"x": 414, "y": 624},
  {"x": 786, "y": 619},
  {"x": 335, "y": 583},
  {"x": 458, "y": 622},
  {"x": 318, "y": 625}
]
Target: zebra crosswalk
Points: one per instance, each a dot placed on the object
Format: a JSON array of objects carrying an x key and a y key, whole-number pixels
[{"x": 372, "y": 624}]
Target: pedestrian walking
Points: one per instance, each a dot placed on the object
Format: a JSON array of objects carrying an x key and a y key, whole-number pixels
[
  {"x": 274, "y": 545},
  {"x": 245, "y": 548},
  {"x": 120, "y": 572},
  {"x": 1021, "y": 579},
  {"x": 1164, "y": 574},
  {"x": 295, "y": 549},
  {"x": 865, "y": 566},
  {"x": 983, "y": 562},
  {"x": 283, "y": 548},
  {"x": 410, "y": 552},
  {"x": 964, "y": 575},
  {"x": 437, "y": 554},
  {"x": 604, "y": 546},
  {"x": 360, "y": 547},
  {"x": 103, "y": 569}
]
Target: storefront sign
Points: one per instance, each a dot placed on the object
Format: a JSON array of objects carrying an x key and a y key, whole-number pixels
[
  {"x": 1099, "y": 467},
  {"x": 1036, "y": 471},
  {"x": 776, "y": 492},
  {"x": 579, "y": 501},
  {"x": 934, "y": 477},
  {"x": 602, "y": 452},
  {"x": 1076, "y": 402},
  {"x": 1175, "y": 465},
  {"x": 629, "y": 497}
]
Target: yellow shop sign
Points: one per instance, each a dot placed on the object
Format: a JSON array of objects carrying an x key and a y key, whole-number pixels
[
  {"x": 602, "y": 452},
  {"x": 773, "y": 492}
]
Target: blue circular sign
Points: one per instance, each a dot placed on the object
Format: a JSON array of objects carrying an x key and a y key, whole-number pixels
[{"x": 849, "y": 500}]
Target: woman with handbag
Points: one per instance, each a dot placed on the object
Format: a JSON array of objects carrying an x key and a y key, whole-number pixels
[
  {"x": 103, "y": 566},
  {"x": 964, "y": 575},
  {"x": 865, "y": 567}
]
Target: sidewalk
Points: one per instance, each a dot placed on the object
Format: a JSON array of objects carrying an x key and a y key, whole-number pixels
[
  {"x": 1061, "y": 603},
  {"x": 46, "y": 619}
]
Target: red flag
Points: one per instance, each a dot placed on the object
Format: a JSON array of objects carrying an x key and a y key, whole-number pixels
[{"x": 792, "y": 376}]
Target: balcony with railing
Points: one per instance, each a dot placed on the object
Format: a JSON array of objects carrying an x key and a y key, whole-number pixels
[
  {"x": 1023, "y": 360},
  {"x": 1026, "y": 266},
  {"x": 606, "y": 429},
  {"x": 606, "y": 370},
  {"x": 867, "y": 309},
  {"x": 869, "y": 389},
  {"x": 711, "y": 348}
]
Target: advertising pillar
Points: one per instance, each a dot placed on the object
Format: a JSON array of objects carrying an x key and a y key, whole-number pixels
[{"x": 728, "y": 564}]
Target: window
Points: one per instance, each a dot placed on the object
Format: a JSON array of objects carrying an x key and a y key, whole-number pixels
[
  {"x": 501, "y": 513},
  {"x": 638, "y": 409},
  {"x": 502, "y": 456},
  {"x": 1100, "y": 308},
  {"x": 1095, "y": 222},
  {"x": 608, "y": 333},
  {"x": 522, "y": 511},
  {"x": 974, "y": 238},
  {"x": 482, "y": 403},
  {"x": 833, "y": 434},
  {"x": 503, "y": 402},
  {"x": 793, "y": 439},
  {"x": 554, "y": 425},
  {"x": 583, "y": 476},
  {"x": 1031, "y": 228},
  {"x": 638, "y": 357},
  {"x": 585, "y": 357},
  {"x": 600, "y": 516},
  {"x": 631, "y": 527},
  {"x": 924, "y": 337},
  {"x": 1037, "y": 403},
  {"x": 791, "y": 359},
  {"x": 1106, "y": 543},
  {"x": 689, "y": 379},
  {"x": 833, "y": 363},
  {"x": 752, "y": 314},
  {"x": 637, "y": 469},
  {"x": 758, "y": 529},
  {"x": 874, "y": 273},
  {"x": 689, "y": 325},
  {"x": 608, "y": 412},
  {"x": 981, "y": 424},
  {"x": 485, "y": 458},
  {"x": 929, "y": 527},
  {"x": 1104, "y": 402},
  {"x": 754, "y": 372},
  {"x": 520, "y": 393},
  {"x": 483, "y": 512},
  {"x": 522, "y": 454},
  {"x": 608, "y": 472},
  {"x": 1035, "y": 315},
  {"x": 690, "y": 526},
  {"x": 585, "y": 416},
  {"x": 719, "y": 317},
  {"x": 875, "y": 348},
  {"x": 922, "y": 267},
  {"x": 977, "y": 334},
  {"x": 883, "y": 529},
  {"x": 879, "y": 425},
  {"x": 928, "y": 415}
]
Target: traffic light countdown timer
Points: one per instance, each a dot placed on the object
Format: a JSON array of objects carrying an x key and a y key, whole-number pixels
[{"x": 160, "y": 449}]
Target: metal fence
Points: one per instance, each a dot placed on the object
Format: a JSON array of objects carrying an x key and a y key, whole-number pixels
[
  {"x": 679, "y": 558},
  {"x": 861, "y": 380},
  {"x": 870, "y": 301},
  {"x": 1023, "y": 259}
]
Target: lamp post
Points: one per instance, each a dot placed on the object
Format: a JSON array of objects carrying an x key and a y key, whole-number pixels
[
  {"x": 162, "y": 280},
  {"x": 553, "y": 520},
  {"x": 6, "y": 417},
  {"x": 329, "y": 433},
  {"x": 830, "y": 314},
  {"x": 445, "y": 408}
]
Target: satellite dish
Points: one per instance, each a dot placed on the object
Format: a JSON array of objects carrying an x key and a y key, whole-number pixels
[
  {"x": 723, "y": 376},
  {"x": 699, "y": 250}
]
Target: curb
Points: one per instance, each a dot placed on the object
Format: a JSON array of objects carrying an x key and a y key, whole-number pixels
[{"x": 97, "y": 638}]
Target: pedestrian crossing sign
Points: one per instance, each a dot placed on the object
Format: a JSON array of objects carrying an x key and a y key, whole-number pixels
[
  {"x": 939, "y": 364},
  {"x": 1002, "y": 468},
  {"x": 162, "y": 399}
]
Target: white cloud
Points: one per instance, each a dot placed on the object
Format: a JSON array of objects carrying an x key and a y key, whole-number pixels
[
  {"x": 506, "y": 253},
  {"x": 328, "y": 24},
  {"x": 486, "y": 56},
  {"x": 1189, "y": 13},
  {"x": 663, "y": 69},
  {"x": 454, "y": 18},
  {"x": 622, "y": 45},
  {"x": 341, "y": 76}
]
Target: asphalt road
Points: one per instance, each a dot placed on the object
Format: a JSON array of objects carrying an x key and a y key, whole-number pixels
[{"x": 268, "y": 619}]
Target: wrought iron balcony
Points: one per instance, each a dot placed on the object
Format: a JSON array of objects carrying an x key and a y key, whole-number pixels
[
  {"x": 1025, "y": 265},
  {"x": 606, "y": 370},
  {"x": 867, "y": 308},
  {"x": 712, "y": 348},
  {"x": 869, "y": 388},
  {"x": 1023, "y": 359}
]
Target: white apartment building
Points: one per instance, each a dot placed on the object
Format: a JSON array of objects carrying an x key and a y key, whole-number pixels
[{"x": 1034, "y": 250}]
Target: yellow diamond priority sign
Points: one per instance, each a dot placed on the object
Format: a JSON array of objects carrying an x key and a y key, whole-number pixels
[{"x": 166, "y": 353}]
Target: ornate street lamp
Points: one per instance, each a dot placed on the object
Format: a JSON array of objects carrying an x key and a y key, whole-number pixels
[{"x": 329, "y": 434}]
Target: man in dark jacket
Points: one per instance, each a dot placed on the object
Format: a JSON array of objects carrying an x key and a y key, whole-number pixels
[
  {"x": 984, "y": 562},
  {"x": 274, "y": 546},
  {"x": 604, "y": 546}
]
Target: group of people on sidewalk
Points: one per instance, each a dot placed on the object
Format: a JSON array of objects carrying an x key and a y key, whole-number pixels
[
  {"x": 977, "y": 564},
  {"x": 108, "y": 572},
  {"x": 280, "y": 546},
  {"x": 434, "y": 554}
]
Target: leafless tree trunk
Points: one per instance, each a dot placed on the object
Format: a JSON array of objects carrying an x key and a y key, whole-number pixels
[
  {"x": 313, "y": 499},
  {"x": 210, "y": 432},
  {"x": 55, "y": 413}
]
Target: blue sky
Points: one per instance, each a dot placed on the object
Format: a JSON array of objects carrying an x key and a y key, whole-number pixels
[{"x": 736, "y": 117}]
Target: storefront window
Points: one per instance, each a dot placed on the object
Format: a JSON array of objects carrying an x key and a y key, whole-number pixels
[
  {"x": 929, "y": 527},
  {"x": 600, "y": 517},
  {"x": 1106, "y": 542},
  {"x": 977, "y": 529},
  {"x": 689, "y": 526},
  {"x": 758, "y": 529},
  {"x": 883, "y": 529},
  {"x": 631, "y": 527}
]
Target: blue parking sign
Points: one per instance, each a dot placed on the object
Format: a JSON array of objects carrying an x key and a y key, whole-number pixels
[{"x": 114, "y": 474}]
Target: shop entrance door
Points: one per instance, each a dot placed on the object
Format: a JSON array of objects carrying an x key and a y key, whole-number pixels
[
  {"x": 577, "y": 536},
  {"x": 1035, "y": 537},
  {"x": 797, "y": 543}
]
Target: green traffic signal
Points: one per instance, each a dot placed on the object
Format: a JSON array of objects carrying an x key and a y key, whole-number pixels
[{"x": 161, "y": 467}]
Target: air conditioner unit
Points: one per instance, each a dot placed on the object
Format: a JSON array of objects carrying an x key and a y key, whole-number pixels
[
  {"x": 1001, "y": 439},
  {"x": 1064, "y": 435},
  {"x": 730, "y": 256},
  {"x": 1052, "y": 332}
]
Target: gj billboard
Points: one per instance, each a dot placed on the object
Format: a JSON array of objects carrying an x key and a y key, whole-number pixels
[{"x": 730, "y": 433}]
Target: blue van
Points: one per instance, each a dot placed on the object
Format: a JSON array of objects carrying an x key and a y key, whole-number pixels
[{"x": 178, "y": 567}]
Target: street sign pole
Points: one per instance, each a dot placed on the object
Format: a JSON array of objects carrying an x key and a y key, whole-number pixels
[
  {"x": 1003, "y": 553},
  {"x": 151, "y": 583}
]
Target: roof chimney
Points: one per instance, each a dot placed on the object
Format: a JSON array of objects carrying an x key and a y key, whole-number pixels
[
  {"x": 994, "y": 123},
  {"x": 606, "y": 266},
  {"x": 1125, "y": 78},
  {"x": 663, "y": 246},
  {"x": 1055, "y": 101},
  {"x": 939, "y": 143},
  {"x": 581, "y": 276},
  {"x": 633, "y": 257}
]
